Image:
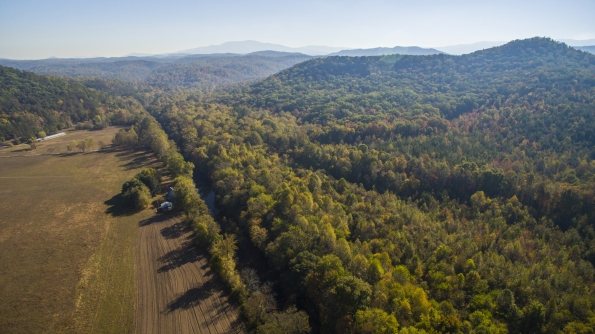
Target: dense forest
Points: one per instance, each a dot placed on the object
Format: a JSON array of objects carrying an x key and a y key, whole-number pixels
[
  {"x": 168, "y": 72},
  {"x": 387, "y": 194},
  {"x": 412, "y": 194}
]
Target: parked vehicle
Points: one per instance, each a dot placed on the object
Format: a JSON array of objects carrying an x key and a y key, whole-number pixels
[{"x": 165, "y": 207}]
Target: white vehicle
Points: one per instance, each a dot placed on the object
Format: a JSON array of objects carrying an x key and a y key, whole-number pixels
[{"x": 165, "y": 207}]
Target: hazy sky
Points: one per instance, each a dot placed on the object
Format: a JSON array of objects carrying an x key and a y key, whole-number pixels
[{"x": 31, "y": 29}]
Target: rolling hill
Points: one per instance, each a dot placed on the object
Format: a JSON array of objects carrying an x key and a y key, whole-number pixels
[{"x": 453, "y": 84}]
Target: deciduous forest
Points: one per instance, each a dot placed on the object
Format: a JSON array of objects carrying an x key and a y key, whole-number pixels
[{"x": 388, "y": 194}]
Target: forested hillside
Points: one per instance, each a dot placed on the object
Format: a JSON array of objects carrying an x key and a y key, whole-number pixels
[
  {"x": 175, "y": 71},
  {"x": 411, "y": 194},
  {"x": 31, "y": 103},
  {"x": 389, "y": 194}
]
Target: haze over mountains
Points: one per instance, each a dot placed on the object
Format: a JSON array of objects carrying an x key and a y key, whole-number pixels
[
  {"x": 174, "y": 71},
  {"x": 590, "y": 49},
  {"x": 230, "y": 63},
  {"x": 244, "y": 47},
  {"x": 248, "y": 47}
]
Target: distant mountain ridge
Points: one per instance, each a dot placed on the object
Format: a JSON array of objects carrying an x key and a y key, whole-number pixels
[
  {"x": 245, "y": 47},
  {"x": 577, "y": 42},
  {"x": 250, "y": 46},
  {"x": 403, "y": 50},
  {"x": 310, "y": 83},
  {"x": 590, "y": 48},
  {"x": 173, "y": 71}
]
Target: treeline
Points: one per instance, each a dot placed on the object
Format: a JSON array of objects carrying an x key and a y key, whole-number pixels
[
  {"x": 359, "y": 260},
  {"x": 31, "y": 103}
]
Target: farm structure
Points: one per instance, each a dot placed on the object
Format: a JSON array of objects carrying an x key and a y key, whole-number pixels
[{"x": 60, "y": 134}]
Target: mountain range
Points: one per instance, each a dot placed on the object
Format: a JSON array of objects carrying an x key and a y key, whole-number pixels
[
  {"x": 229, "y": 65},
  {"x": 173, "y": 71},
  {"x": 244, "y": 47},
  {"x": 590, "y": 48}
]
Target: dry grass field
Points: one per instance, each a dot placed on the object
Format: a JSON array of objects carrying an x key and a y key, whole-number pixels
[
  {"x": 66, "y": 255},
  {"x": 60, "y": 144}
]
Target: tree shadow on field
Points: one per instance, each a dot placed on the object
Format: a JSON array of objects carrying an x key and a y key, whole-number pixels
[
  {"x": 188, "y": 252},
  {"x": 116, "y": 207},
  {"x": 193, "y": 297},
  {"x": 138, "y": 159},
  {"x": 176, "y": 230},
  {"x": 155, "y": 219}
]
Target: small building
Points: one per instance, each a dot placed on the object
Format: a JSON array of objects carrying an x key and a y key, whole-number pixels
[
  {"x": 170, "y": 194},
  {"x": 52, "y": 136}
]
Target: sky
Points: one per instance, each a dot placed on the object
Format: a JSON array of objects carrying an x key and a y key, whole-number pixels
[{"x": 35, "y": 29}]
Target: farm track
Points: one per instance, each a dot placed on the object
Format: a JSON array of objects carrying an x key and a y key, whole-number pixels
[{"x": 177, "y": 292}]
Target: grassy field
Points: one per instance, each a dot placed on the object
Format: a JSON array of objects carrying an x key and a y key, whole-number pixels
[
  {"x": 66, "y": 256},
  {"x": 59, "y": 145}
]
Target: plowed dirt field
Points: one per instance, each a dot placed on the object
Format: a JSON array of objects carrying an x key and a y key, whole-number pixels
[{"x": 177, "y": 292}]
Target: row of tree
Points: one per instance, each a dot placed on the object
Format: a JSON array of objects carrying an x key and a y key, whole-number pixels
[{"x": 258, "y": 307}]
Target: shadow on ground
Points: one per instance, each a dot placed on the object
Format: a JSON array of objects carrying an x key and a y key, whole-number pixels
[
  {"x": 187, "y": 253},
  {"x": 176, "y": 230},
  {"x": 116, "y": 207},
  {"x": 155, "y": 219},
  {"x": 138, "y": 159},
  {"x": 193, "y": 296}
]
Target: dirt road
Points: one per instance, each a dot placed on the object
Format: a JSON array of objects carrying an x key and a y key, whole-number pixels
[{"x": 177, "y": 292}]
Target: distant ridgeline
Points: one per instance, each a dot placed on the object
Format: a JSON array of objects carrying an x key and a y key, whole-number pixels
[
  {"x": 522, "y": 72},
  {"x": 31, "y": 103},
  {"x": 174, "y": 71}
]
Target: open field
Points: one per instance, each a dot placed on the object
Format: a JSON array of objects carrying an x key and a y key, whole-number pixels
[
  {"x": 177, "y": 291},
  {"x": 66, "y": 257},
  {"x": 59, "y": 145}
]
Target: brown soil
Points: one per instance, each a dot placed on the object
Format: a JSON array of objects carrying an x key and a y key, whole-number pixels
[{"x": 177, "y": 292}]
